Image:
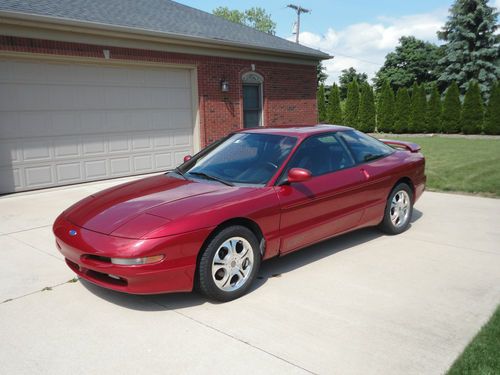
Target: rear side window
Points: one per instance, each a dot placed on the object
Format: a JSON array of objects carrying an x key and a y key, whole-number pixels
[
  {"x": 363, "y": 147},
  {"x": 321, "y": 154}
]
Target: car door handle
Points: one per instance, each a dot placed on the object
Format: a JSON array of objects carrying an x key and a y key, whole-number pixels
[{"x": 365, "y": 173}]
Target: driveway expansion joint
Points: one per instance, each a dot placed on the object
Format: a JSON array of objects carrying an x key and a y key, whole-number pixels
[{"x": 240, "y": 340}]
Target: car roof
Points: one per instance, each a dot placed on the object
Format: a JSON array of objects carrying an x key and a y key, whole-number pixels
[{"x": 299, "y": 131}]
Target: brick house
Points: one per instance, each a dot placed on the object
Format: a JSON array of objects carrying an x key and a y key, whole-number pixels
[{"x": 93, "y": 89}]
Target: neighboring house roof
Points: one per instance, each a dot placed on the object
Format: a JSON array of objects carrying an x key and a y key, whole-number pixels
[{"x": 160, "y": 16}]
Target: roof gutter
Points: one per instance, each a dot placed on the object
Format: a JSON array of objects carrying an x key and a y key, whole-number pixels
[{"x": 148, "y": 32}]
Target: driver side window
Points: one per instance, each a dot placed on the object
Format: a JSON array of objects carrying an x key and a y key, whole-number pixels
[{"x": 321, "y": 154}]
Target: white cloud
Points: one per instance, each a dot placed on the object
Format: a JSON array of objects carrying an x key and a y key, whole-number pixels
[{"x": 364, "y": 45}]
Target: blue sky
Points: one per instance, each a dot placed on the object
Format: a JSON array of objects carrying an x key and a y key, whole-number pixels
[{"x": 357, "y": 33}]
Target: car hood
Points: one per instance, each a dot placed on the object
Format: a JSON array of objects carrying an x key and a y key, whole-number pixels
[{"x": 110, "y": 209}]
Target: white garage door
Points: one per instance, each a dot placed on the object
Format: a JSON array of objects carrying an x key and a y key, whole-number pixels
[{"x": 67, "y": 123}]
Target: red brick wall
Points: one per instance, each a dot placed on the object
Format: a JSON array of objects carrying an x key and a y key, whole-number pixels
[{"x": 289, "y": 89}]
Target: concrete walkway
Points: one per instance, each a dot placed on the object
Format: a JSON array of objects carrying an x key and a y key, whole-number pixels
[{"x": 363, "y": 303}]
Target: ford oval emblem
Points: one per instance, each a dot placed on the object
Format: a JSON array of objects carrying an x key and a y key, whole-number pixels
[{"x": 72, "y": 232}]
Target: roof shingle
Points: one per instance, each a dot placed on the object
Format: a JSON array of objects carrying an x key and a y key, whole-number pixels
[{"x": 162, "y": 16}]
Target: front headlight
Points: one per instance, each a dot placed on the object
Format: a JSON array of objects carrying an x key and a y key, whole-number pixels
[{"x": 137, "y": 261}]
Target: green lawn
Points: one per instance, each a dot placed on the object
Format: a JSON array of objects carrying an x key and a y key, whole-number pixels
[
  {"x": 482, "y": 355},
  {"x": 460, "y": 164}
]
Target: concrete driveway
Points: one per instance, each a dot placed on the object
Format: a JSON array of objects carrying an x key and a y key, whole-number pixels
[{"x": 363, "y": 303}]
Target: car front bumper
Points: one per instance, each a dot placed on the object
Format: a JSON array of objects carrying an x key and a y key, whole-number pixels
[{"x": 88, "y": 254}]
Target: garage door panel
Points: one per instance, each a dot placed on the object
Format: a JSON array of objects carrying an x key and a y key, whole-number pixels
[
  {"x": 67, "y": 148},
  {"x": 68, "y": 172},
  {"x": 61, "y": 123},
  {"x": 39, "y": 176},
  {"x": 8, "y": 97},
  {"x": 36, "y": 150},
  {"x": 93, "y": 146},
  {"x": 11, "y": 178},
  {"x": 161, "y": 119},
  {"x": 141, "y": 142},
  {"x": 120, "y": 166},
  {"x": 67, "y": 123},
  {"x": 95, "y": 169},
  {"x": 163, "y": 160},
  {"x": 142, "y": 163},
  {"x": 179, "y": 99},
  {"x": 118, "y": 143},
  {"x": 9, "y": 153},
  {"x": 92, "y": 122}
]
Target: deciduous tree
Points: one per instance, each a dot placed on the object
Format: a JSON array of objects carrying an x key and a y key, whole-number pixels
[
  {"x": 255, "y": 17},
  {"x": 347, "y": 76}
]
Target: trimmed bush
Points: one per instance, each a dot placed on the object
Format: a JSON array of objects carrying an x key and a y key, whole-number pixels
[
  {"x": 417, "y": 110},
  {"x": 352, "y": 104},
  {"x": 385, "y": 109},
  {"x": 450, "y": 120},
  {"x": 334, "y": 112},
  {"x": 366, "y": 112},
  {"x": 402, "y": 111},
  {"x": 320, "y": 97},
  {"x": 472, "y": 117},
  {"x": 492, "y": 117},
  {"x": 434, "y": 108}
]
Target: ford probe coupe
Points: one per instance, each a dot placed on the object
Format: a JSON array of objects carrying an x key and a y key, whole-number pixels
[{"x": 251, "y": 196}]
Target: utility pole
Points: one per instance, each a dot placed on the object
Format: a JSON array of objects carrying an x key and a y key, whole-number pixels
[{"x": 299, "y": 10}]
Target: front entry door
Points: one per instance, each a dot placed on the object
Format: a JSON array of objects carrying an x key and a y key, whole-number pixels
[{"x": 252, "y": 106}]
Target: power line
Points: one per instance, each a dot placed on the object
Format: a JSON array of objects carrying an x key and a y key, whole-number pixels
[{"x": 299, "y": 10}]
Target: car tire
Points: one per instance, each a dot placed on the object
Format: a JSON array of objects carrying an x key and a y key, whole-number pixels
[
  {"x": 398, "y": 210},
  {"x": 228, "y": 264}
]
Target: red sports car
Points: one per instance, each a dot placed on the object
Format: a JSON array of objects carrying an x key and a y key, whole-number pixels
[{"x": 253, "y": 195}]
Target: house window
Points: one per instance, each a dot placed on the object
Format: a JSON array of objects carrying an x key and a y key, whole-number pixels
[{"x": 252, "y": 100}]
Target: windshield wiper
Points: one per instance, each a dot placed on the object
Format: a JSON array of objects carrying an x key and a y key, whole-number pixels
[
  {"x": 203, "y": 174},
  {"x": 180, "y": 173}
]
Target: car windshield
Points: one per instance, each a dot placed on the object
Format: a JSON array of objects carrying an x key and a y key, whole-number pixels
[{"x": 243, "y": 158}]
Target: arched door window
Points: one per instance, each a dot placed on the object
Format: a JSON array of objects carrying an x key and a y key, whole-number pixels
[{"x": 252, "y": 100}]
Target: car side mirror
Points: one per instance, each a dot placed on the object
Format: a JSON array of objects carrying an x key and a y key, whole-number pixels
[
  {"x": 298, "y": 175},
  {"x": 187, "y": 158}
]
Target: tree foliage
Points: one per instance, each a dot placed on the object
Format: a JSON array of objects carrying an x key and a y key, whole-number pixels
[
  {"x": 412, "y": 61},
  {"x": 472, "y": 48},
  {"x": 450, "y": 119},
  {"x": 402, "y": 111},
  {"x": 471, "y": 119},
  {"x": 418, "y": 110},
  {"x": 320, "y": 97},
  {"x": 385, "y": 109},
  {"x": 434, "y": 108},
  {"x": 366, "y": 111},
  {"x": 492, "y": 116},
  {"x": 334, "y": 108},
  {"x": 352, "y": 104},
  {"x": 321, "y": 75},
  {"x": 347, "y": 76},
  {"x": 255, "y": 17}
]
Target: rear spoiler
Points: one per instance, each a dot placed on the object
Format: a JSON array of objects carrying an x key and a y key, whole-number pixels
[{"x": 412, "y": 147}]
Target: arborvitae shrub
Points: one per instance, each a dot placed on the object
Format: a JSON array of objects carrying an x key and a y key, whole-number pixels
[
  {"x": 402, "y": 111},
  {"x": 334, "y": 109},
  {"x": 450, "y": 120},
  {"x": 472, "y": 116},
  {"x": 385, "y": 109}
]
